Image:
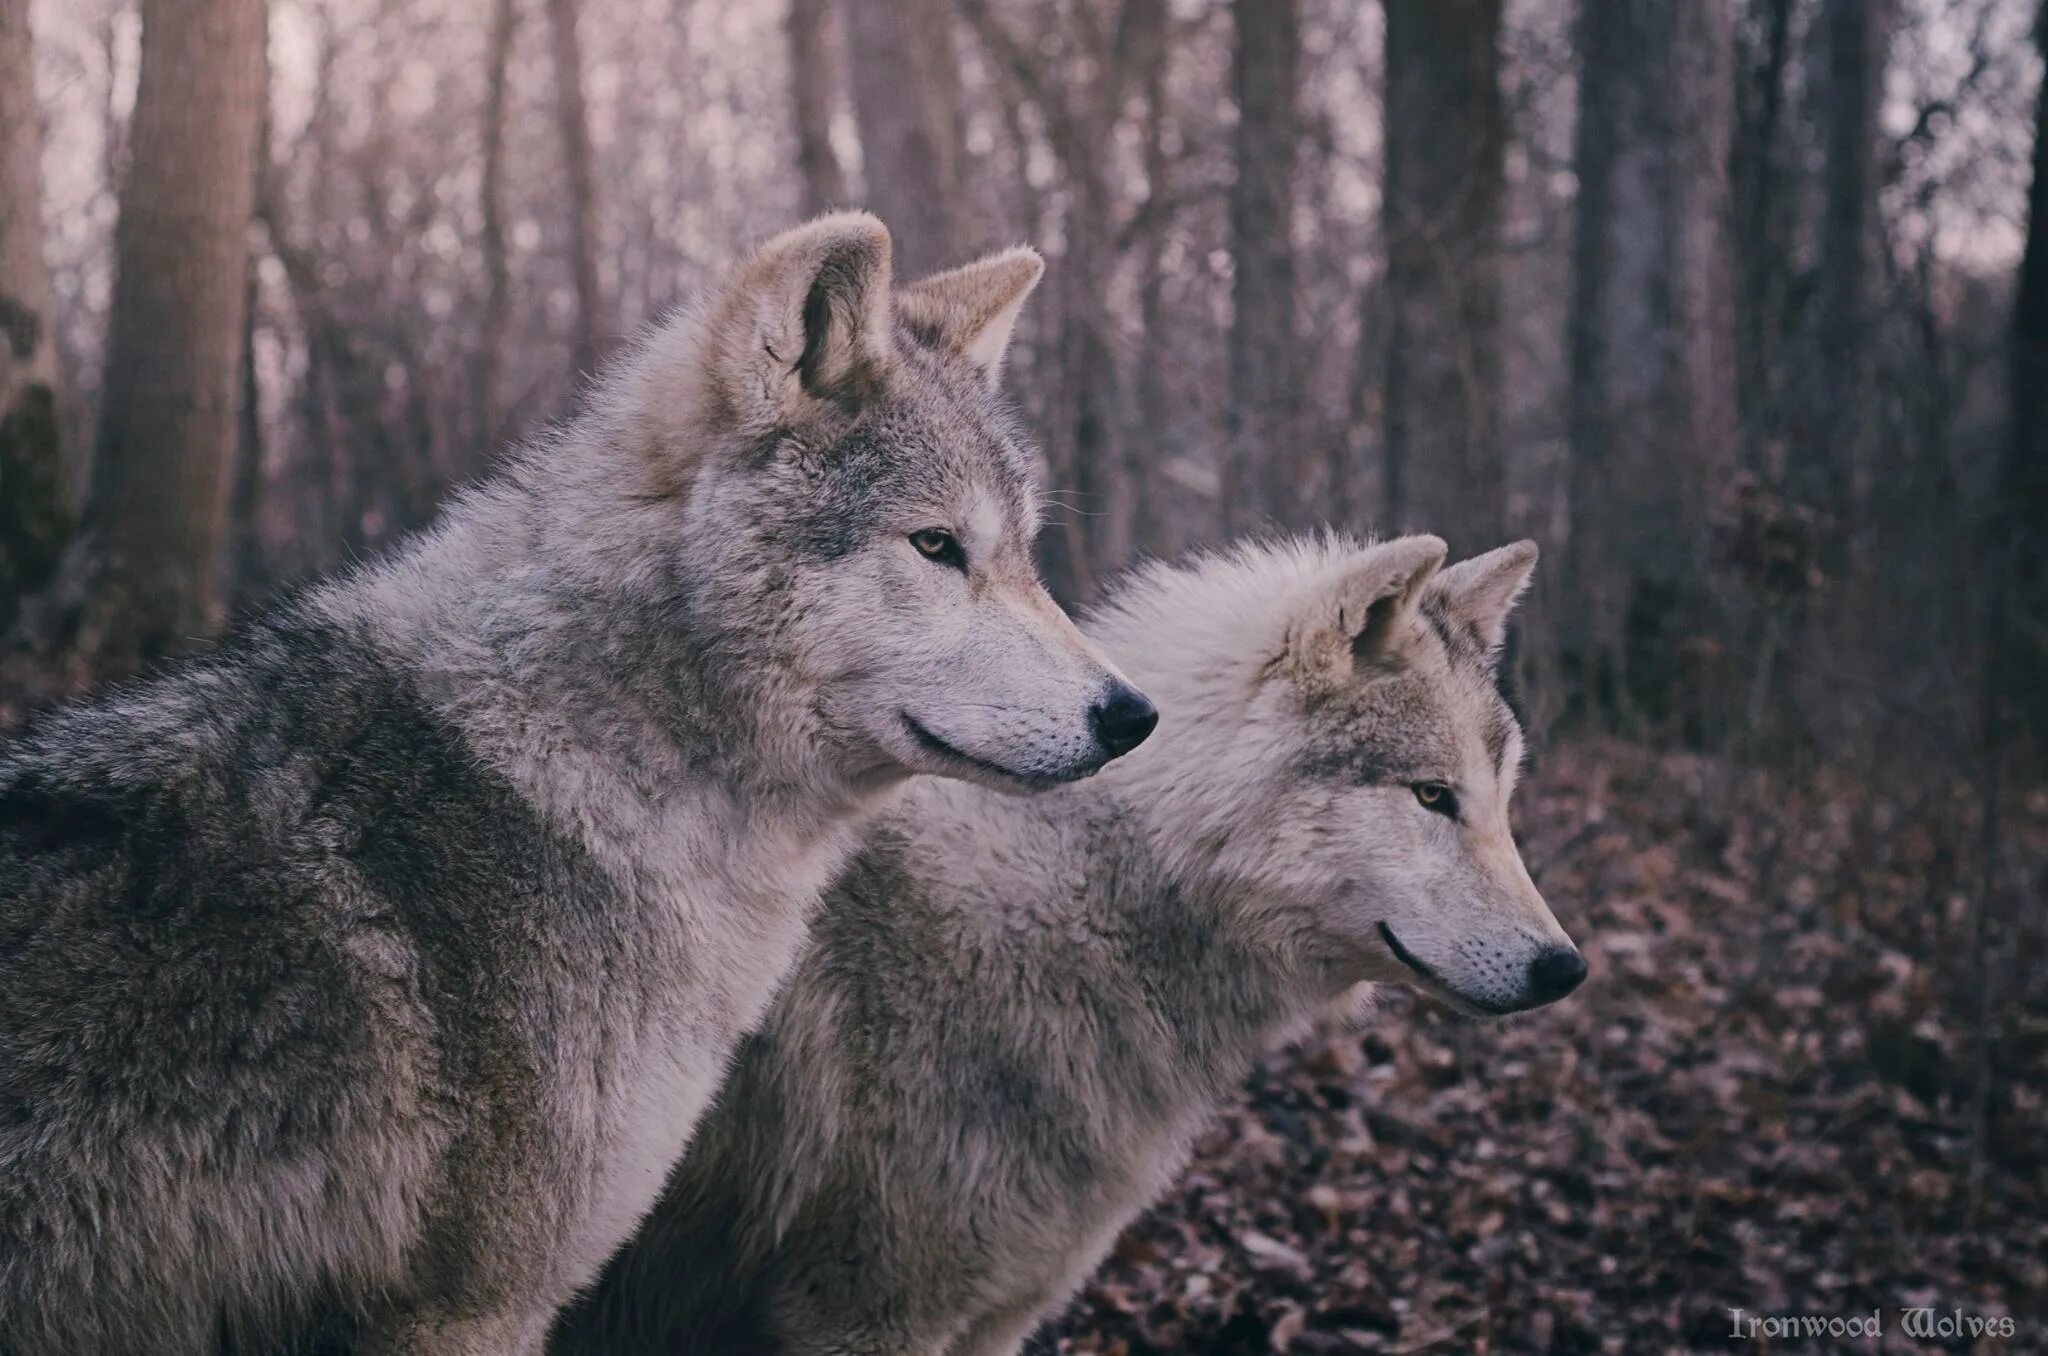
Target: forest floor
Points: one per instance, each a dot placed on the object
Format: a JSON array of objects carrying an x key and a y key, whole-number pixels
[{"x": 1761, "y": 1099}]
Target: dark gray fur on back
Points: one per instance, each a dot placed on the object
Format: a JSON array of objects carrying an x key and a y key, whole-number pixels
[{"x": 235, "y": 902}]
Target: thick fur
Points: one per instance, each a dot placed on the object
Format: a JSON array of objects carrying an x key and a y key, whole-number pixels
[
  {"x": 374, "y": 969},
  {"x": 1015, "y": 1016}
]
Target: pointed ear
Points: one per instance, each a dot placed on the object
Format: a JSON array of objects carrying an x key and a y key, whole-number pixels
[
  {"x": 804, "y": 319},
  {"x": 1360, "y": 621},
  {"x": 972, "y": 309},
  {"x": 1478, "y": 594}
]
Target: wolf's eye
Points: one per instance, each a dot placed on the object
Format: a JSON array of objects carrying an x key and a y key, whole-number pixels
[
  {"x": 937, "y": 544},
  {"x": 1437, "y": 797}
]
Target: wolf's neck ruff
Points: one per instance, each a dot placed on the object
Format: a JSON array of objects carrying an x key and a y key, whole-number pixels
[
  {"x": 1176, "y": 944},
  {"x": 586, "y": 676}
]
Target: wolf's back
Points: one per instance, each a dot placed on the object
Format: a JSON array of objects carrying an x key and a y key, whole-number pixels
[{"x": 230, "y": 898}]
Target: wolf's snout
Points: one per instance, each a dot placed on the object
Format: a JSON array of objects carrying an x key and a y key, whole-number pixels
[
  {"x": 1122, "y": 719},
  {"x": 1555, "y": 973}
]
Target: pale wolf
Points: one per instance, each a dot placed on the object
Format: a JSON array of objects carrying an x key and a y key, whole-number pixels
[
  {"x": 1015, "y": 1016},
  {"x": 380, "y": 962}
]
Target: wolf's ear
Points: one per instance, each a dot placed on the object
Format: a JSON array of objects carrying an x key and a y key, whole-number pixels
[
  {"x": 973, "y": 309},
  {"x": 804, "y": 319},
  {"x": 1361, "y": 619},
  {"x": 1478, "y": 594}
]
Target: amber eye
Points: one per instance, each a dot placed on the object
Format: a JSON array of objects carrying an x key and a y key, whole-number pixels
[
  {"x": 1437, "y": 797},
  {"x": 937, "y": 544}
]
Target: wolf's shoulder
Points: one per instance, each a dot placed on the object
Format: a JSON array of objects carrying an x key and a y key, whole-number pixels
[
  {"x": 280, "y": 682},
  {"x": 292, "y": 741}
]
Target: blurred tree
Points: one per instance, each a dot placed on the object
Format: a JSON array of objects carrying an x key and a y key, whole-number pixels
[
  {"x": 906, "y": 98},
  {"x": 578, "y": 165},
  {"x": 1266, "y": 465},
  {"x": 167, "y": 407},
  {"x": 1652, "y": 380},
  {"x": 311, "y": 508},
  {"x": 245, "y": 571},
  {"x": 1080, "y": 99},
  {"x": 1766, "y": 211},
  {"x": 245, "y": 567},
  {"x": 1138, "y": 498},
  {"x": 497, "y": 310},
  {"x": 2023, "y": 514},
  {"x": 1446, "y": 143},
  {"x": 1833, "y": 459},
  {"x": 814, "y": 91},
  {"x": 35, "y": 489}
]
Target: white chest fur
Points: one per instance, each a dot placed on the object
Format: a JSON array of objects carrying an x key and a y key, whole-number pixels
[{"x": 731, "y": 904}]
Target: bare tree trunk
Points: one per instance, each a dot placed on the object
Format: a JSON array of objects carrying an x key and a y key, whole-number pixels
[
  {"x": 174, "y": 334},
  {"x": 307, "y": 520},
  {"x": 1143, "y": 489},
  {"x": 906, "y": 98},
  {"x": 1653, "y": 399},
  {"x": 1445, "y": 179},
  {"x": 2015, "y": 636},
  {"x": 497, "y": 317},
  {"x": 814, "y": 89},
  {"x": 1265, "y": 470},
  {"x": 1763, "y": 244},
  {"x": 578, "y": 164},
  {"x": 246, "y": 567},
  {"x": 1833, "y": 460},
  {"x": 1085, "y": 427},
  {"x": 35, "y": 489},
  {"x": 1087, "y": 460},
  {"x": 2026, "y": 482},
  {"x": 246, "y": 573},
  {"x": 1358, "y": 465}
]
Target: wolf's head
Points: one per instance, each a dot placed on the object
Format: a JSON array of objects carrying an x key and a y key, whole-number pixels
[
  {"x": 844, "y": 491},
  {"x": 1350, "y": 759}
]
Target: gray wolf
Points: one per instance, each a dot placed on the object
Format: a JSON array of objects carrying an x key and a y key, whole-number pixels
[
  {"x": 374, "y": 968},
  {"x": 1014, "y": 1016}
]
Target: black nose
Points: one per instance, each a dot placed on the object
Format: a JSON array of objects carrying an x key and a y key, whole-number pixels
[
  {"x": 1122, "y": 719},
  {"x": 1555, "y": 973}
]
